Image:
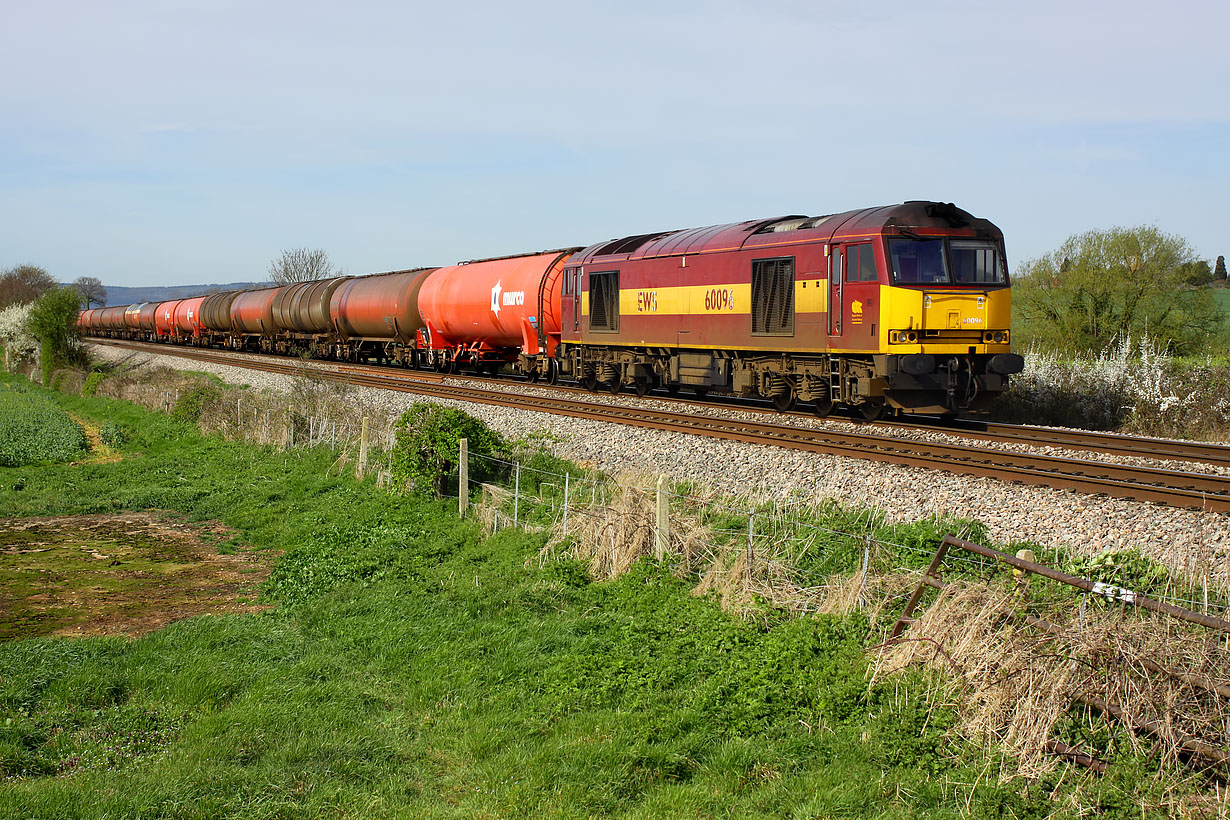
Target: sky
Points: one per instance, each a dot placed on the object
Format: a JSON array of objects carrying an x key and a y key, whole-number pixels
[{"x": 169, "y": 142}]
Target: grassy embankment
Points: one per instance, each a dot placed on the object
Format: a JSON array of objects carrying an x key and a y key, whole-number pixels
[{"x": 414, "y": 668}]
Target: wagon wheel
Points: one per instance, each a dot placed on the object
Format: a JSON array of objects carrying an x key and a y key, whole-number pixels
[
  {"x": 824, "y": 407},
  {"x": 642, "y": 385},
  {"x": 784, "y": 401},
  {"x": 873, "y": 409},
  {"x": 552, "y": 372},
  {"x": 534, "y": 375}
]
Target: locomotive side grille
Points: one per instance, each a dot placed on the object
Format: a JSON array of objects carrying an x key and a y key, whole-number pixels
[
  {"x": 604, "y": 300},
  {"x": 773, "y": 297}
]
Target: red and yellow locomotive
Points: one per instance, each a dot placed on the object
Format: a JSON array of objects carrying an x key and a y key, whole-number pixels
[{"x": 904, "y": 307}]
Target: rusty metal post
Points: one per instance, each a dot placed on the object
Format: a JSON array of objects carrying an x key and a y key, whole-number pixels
[{"x": 918, "y": 593}]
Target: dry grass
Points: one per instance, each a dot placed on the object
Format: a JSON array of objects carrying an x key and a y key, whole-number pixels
[
  {"x": 1014, "y": 685},
  {"x": 614, "y": 530}
]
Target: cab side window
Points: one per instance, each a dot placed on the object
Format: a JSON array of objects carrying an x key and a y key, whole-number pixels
[{"x": 861, "y": 263}]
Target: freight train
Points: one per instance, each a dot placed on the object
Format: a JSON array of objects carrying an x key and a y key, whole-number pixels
[{"x": 900, "y": 308}]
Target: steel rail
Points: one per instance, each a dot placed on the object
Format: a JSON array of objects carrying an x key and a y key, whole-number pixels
[
  {"x": 1169, "y": 487},
  {"x": 1083, "y": 440}
]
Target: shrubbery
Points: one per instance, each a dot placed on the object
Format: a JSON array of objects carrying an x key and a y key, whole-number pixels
[
  {"x": 53, "y": 321},
  {"x": 34, "y": 430},
  {"x": 15, "y": 336},
  {"x": 426, "y": 448},
  {"x": 1133, "y": 384}
]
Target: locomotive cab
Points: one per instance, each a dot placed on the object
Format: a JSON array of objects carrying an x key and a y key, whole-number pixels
[{"x": 947, "y": 315}]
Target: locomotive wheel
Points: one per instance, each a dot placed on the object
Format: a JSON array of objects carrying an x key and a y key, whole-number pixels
[
  {"x": 590, "y": 383},
  {"x": 824, "y": 407},
  {"x": 642, "y": 385},
  {"x": 614, "y": 386},
  {"x": 873, "y": 410},
  {"x": 673, "y": 388}
]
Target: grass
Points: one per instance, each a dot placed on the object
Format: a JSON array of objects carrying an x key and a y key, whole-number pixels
[{"x": 415, "y": 669}]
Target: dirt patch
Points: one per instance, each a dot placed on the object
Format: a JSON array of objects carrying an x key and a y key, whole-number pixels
[{"x": 126, "y": 574}]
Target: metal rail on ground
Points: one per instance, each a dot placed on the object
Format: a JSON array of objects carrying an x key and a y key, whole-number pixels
[{"x": 1168, "y": 487}]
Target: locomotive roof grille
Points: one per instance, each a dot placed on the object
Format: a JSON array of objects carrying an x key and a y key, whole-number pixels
[
  {"x": 792, "y": 223},
  {"x": 628, "y": 244}
]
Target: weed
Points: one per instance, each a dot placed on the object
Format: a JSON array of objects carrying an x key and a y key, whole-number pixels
[{"x": 92, "y": 381}]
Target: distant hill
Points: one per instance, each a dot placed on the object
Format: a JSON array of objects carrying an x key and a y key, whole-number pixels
[{"x": 118, "y": 295}]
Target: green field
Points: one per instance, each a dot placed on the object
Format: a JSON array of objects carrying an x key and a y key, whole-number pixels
[{"x": 413, "y": 667}]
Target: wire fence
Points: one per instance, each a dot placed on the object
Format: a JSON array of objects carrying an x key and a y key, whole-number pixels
[{"x": 788, "y": 538}]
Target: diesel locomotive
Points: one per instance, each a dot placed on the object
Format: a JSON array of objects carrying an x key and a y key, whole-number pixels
[{"x": 898, "y": 308}]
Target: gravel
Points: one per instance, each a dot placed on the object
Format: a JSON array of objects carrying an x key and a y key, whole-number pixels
[{"x": 1182, "y": 538}]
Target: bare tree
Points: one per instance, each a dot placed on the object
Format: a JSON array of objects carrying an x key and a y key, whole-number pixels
[
  {"x": 91, "y": 290},
  {"x": 300, "y": 265},
  {"x": 23, "y": 284}
]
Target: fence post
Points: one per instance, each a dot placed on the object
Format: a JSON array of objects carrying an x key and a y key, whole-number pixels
[
  {"x": 361, "y": 470},
  {"x": 751, "y": 535},
  {"x": 567, "y": 476},
  {"x": 662, "y": 535},
  {"x": 463, "y": 478},
  {"x": 517, "y": 495}
]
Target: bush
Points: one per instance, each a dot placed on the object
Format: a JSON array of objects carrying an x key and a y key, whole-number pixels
[
  {"x": 53, "y": 321},
  {"x": 192, "y": 402},
  {"x": 33, "y": 430},
  {"x": 1132, "y": 384},
  {"x": 427, "y": 445},
  {"x": 15, "y": 335}
]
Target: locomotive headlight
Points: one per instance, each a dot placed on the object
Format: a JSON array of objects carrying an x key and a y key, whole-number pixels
[
  {"x": 1000, "y": 336},
  {"x": 988, "y": 336},
  {"x": 913, "y": 337}
]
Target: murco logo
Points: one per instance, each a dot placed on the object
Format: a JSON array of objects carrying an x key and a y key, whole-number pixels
[{"x": 499, "y": 298}]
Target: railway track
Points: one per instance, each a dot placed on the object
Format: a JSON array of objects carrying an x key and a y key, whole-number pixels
[{"x": 1139, "y": 483}]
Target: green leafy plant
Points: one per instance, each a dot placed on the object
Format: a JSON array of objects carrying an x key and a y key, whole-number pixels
[
  {"x": 427, "y": 445},
  {"x": 92, "y": 382},
  {"x": 192, "y": 401},
  {"x": 53, "y": 321},
  {"x": 33, "y": 430},
  {"x": 112, "y": 434}
]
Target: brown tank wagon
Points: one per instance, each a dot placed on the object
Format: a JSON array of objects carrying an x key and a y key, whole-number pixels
[{"x": 216, "y": 312}]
